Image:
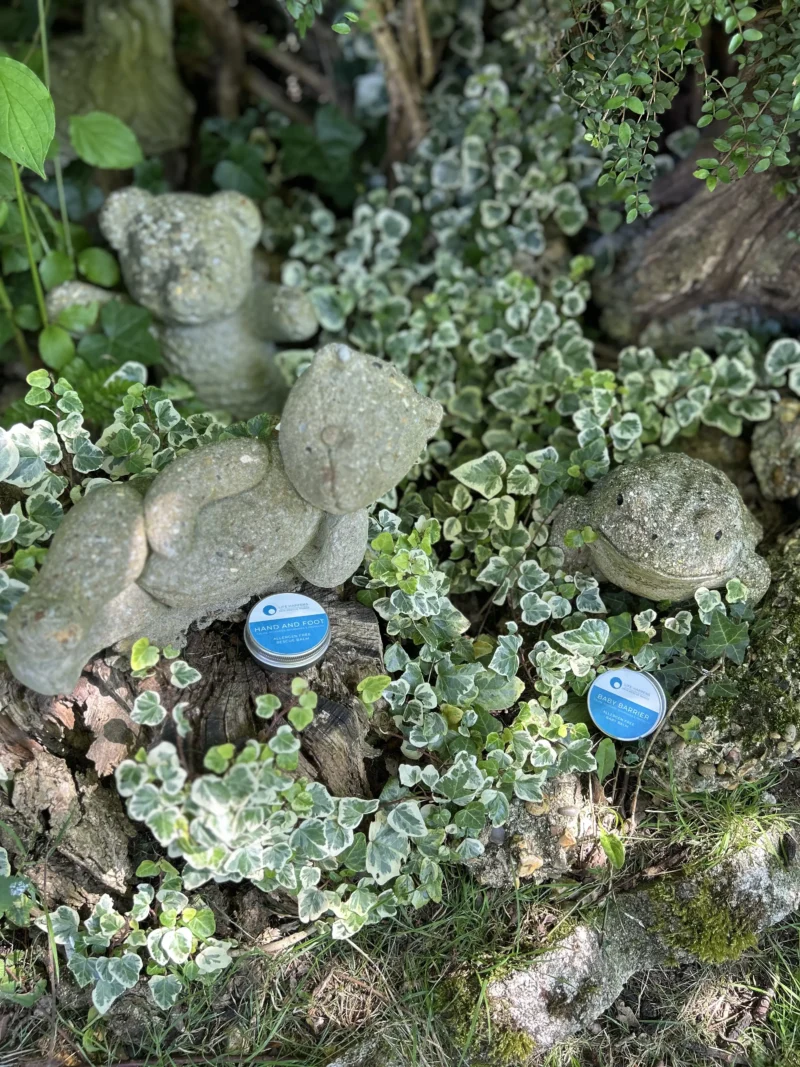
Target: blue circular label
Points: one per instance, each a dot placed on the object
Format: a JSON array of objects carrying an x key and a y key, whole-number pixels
[
  {"x": 288, "y": 624},
  {"x": 627, "y": 705}
]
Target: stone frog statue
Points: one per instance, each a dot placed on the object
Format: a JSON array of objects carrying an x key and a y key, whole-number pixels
[
  {"x": 666, "y": 525},
  {"x": 225, "y": 522},
  {"x": 188, "y": 259}
]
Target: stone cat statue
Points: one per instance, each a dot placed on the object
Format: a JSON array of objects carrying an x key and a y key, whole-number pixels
[
  {"x": 123, "y": 63},
  {"x": 225, "y": 522}
]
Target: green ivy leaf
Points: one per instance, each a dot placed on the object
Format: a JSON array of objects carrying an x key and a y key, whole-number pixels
[
  {"x": 266, "y": 705},
  {"x": 371, "y": 689},
  {"x": 103, "y": 140},
  {"x": 300, "y": 717},
  {"x": 144, "y": 655},
  {"x": 613, "y": 848},
  {"x": 606, "y": 757},
  {"x": 99, "y": 267},
  {"x": 56, "y": 347},
  {"x": 27, "y": 116},
  {"x": 218, "y": 758},
  {"x": 726, "y": 637}
]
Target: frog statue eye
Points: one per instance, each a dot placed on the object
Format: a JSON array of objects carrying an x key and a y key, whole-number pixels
[
  {"x": 620, "y": 499},
  {"x": 718, "y": 535}
]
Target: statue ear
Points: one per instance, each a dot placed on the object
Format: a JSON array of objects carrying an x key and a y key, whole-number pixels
[
  {"x": 242, "y": 212},
  {"x": 118, "y": 211}
]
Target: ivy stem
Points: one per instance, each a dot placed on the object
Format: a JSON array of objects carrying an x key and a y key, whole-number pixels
[
  {"x": 62, "y": 200},
  {"x": 19, "y": 336},
  {"x": 26, "y": 230}
]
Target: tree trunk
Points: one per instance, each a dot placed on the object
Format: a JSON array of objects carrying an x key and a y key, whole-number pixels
[
  {"x": 62, "y": 815},
  {"x": 704, "y": 259}
]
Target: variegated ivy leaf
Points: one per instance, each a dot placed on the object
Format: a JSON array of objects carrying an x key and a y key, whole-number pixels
[
  {"x": 736, "y": 592},
  {"x": 412, "y": 774},
  {"x": 505, "y": 660},
  {"x": 644, "y": 621},
  {"x": 64, "y": 923},
  {"x": 182, "y": 724},
  {"x": 534, "y": 609},
  {"x": 142, "y": 899},
  {"x": 462, "y": 782},
  {"x": 484, "y": 475},
  {"x": 590, "y": 601},
  {"x": 626, "y": 431},
  {"x": 646, "y": 659},
  {"x": 386, "y": 851},
  {"x": 529, "y": 787},
  {"x": 165, "y": 990},
  {"x": 124, "y": 970},
  {"x": 9, "y": 524},
  {"x": 36, "y": 446},
  {"x": 521, "y": 481},
  {"x": 182, "y": 675},
  {"x": 176, "y": 944},
  {"x": 589, "y": 639},
  {"x": 9, "y": 455},
  {"x": 83, "y": 969},
  {"x": 781, "y": 355},
  {"x": 148, "y": 710},
  {"x": 105, "y": 993},
  {"x": 680, "y": 623},
  {"x": 709, "y": 601},
  {"x": 214, "y": 956},
  {"x": 406, "y": 818}
]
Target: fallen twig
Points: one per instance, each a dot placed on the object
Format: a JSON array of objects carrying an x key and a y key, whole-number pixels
[
  {"x": 289, "y": 62},
  {"x": 259, "y": 85}
]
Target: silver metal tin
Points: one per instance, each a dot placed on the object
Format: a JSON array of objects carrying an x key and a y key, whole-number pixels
[
  {"x": 287, "y": 632},
  {"x": 626, "y": 704}
]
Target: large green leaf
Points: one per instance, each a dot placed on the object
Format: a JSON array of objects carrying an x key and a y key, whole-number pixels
[
  {"x": 103, "y": 140},
  {"x": 27, "y": 116}
]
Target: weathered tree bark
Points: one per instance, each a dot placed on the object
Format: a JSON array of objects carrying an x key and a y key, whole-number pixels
[
  {"x": 61, "y": 751},
  {"x": 704, "y": 259}
]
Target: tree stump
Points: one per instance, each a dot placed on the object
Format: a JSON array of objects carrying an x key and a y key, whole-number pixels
[
  {"x": 62, "y": 812},
  {"x": 704, "y": 259}
]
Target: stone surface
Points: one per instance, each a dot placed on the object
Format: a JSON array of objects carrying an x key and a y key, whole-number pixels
[
  {"x": 123, "y": 63},
  {"x": 189, "y": 260},
  {"x": 754, "y": 726},
  {"x": 775, "y": 454},
  {"x": 712, "y": 917},
  {"x": 541, "y": 841},
  {"x": 666, "y": 525},
  {"x": 221, "y": 524}
]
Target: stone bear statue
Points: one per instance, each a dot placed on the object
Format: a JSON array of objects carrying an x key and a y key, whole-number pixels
[
  {"x": 225, "y": 522},
  {"x": 189, "y": 260}
]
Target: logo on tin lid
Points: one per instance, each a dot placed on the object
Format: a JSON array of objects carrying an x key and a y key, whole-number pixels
[
  {"x": 616, "y": 683},
  {"x": 270, "y": 609}
]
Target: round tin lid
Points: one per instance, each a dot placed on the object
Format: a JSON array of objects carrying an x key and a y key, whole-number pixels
[
  {"x": 625, "y": 704},
  {"x": 285, "y": 626}
]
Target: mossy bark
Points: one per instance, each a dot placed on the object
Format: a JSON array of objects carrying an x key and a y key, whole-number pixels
[{"x": 721, "y": 258}]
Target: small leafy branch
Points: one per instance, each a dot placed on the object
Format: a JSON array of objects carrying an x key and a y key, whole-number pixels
[{"x": 163, "y": 936}]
